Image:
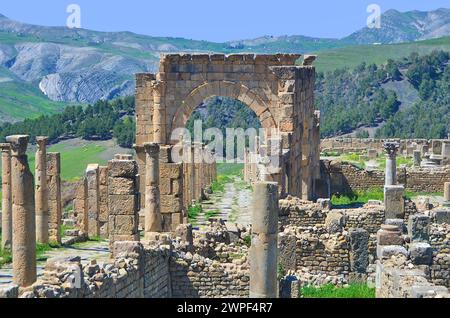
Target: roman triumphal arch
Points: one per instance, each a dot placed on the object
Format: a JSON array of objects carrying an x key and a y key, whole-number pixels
[{"x": 280, "y": 92}]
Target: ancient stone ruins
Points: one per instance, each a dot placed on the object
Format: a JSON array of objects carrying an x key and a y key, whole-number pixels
[{"x": 139, "y": 204}]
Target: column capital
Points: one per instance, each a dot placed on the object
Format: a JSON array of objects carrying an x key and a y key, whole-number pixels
[
  {"x": 19, "y": 144},
  {"x": 391, "y": 148},
  {"x": 152, "y": 149},
  {"x": 41, "y": 141}
]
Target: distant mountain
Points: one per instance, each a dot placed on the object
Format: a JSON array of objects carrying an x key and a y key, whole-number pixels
[
  {"x": 409, "y": 26},
  {"x": 43, "y": 68}
]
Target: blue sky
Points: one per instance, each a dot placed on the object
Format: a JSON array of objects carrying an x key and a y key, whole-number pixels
[{"x": 213, "y": 20}]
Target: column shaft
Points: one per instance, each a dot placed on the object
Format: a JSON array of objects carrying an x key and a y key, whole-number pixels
[
  {"x": 263, "y": 255},
  {"x": 24, "y": 216},
  {"x": 41, "y": 196},
  {"x": 153, "y": 218},
  {"x": 6, "y": 197}
]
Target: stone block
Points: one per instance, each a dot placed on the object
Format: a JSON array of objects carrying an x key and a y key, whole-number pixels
[
  {"x": 184, "y": 232},
  {"x": 287, "y": 244},
  {"x": 121, "y": 186},
  {"x": 334, "y": 222},
  {"x": 421, "y": 253},
  {"x": 123, "y": 204},
  {"x": 170, "y": 170},
  {"x": 122, "y": 168},
  {"x": 170, "y": 204},
  {"x": 325, "y": 204},
  {"x": 387, "y": 251},
  {"x": 418, "y": 227},
  {"x": 394, "y": 202},
  {"x": 389, "y": 235},
  {"x": 165, "y": 186},
  {"x": 398, "y": 223},
  {"x": 428, "y": 291},
  {"x": 9, "y": 291},
  {"x": 123, "y": 224},
  {"x": 359, "y": 250},
  {"x": 441, "y": 216}
]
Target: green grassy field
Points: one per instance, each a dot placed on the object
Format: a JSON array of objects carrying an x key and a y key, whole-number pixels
[
  {"x": 330, "y": 291},
  {"x": 74, "y": 160},
  {"x": 354, "y": 55}
]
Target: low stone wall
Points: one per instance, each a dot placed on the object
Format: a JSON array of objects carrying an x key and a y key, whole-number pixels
[
  {"x": 136, "y": 272},
  {"x": 440, "y": 242},
  {"x": 196, "y": 276},
  {"x": 345, "y": 178},
  {"x": 294, "y": 211},
  {"x": 345, "y": 145}
]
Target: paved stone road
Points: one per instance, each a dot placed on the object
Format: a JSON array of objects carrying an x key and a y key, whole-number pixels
[{"x": 232, "y": 205}]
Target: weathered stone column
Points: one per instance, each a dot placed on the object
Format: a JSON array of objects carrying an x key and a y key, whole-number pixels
[
  {"x": 417, "y": 158},
  {"x": 6, "y": 197},
  {"x": 263, "y": 255},
  {"x": 391, "y": 163},
  {"x": 159, "y": 112},
  {"x": 393, "y": 201},
  {"x": 24, "y": 216},
  {"x": 81, "y": 207},
  {"x": 123, "y": 200},
  {"x": 41, "y": 195},
  {"x": 446, "y": 149},
  {"x": 92, "y": 176},
  {"x": 54, "y": 196},
  {"x": 103, "y": 215},
  {"x": 153, "y": 218},
  {"x": 447, "y": 193}
]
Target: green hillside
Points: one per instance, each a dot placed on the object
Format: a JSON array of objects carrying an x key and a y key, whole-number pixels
[
  {"x": 352, "y": 56},
  {"x": 20, "y": 100}
]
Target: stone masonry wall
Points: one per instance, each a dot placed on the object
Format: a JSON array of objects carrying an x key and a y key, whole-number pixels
[{"x": 345, "y": 177}]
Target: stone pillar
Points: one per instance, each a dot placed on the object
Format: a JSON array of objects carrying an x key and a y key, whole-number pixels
[
  {"x": 41, "y": 195},
  {"x": 6, "y": 197},
  {"x": 197, "y": 177},
  {"x": 103, "y": 216},
  {"x": 391, "y": 163},
  {"x": 446, "y": 149},
  {"x": 153, "y": 219},
  {"x": 447, "y": 193},
  {"x": 263, "y": 255},
  {"x": 419, "y": 227},
  {"x": 393, "y": 202},
  {"x": 359, "y": 254},
  {"x": 92, "y": 176},
  {"x": 417, "y": 158},
  {"x": 23, "y": 210},
  {"x": 159, "y": 113},
  {"x": 123, "y": 201},
  {"x": 81, "y": 207},
  {"x": 54, "y": 196},
  {"x": 372, "y": 154},
  {"x": 388, "y": 237}
]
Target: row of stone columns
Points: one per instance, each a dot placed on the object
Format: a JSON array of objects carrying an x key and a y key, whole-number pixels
[
  {"x": 31, "y": 206},
  {"x": 199, "y": 171}
]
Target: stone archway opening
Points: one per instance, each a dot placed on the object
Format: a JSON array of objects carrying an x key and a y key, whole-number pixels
[{"x": 229, "y": 196}]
